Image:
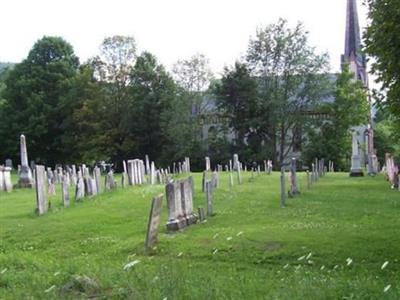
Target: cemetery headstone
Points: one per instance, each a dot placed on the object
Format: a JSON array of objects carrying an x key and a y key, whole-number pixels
[
  {"x": 8, "y": 163},
  {"x": 209, "y": 199},
  {"x": 25, "y": 174},
  {"x": 154, "y": 222},
  {"x": 356, "y": 170},
  {"x": 65, "y": 191},
  {"x": 176, "y": 219},
  {"x": 201, "y": 213},
  {"x": 283, "y": 188},
  {"x": 41, "y": 195}
]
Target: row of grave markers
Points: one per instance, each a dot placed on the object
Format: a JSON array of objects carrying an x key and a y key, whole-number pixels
[{"x": 318, "y": 170}]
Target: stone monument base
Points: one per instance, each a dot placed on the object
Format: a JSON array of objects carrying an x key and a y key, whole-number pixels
[
  {"x": 174, "y": 225},
  {"x": 356, "y": 173}
]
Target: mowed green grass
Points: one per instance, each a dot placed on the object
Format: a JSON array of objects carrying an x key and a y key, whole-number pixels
[{"x": 328, "y": 243}]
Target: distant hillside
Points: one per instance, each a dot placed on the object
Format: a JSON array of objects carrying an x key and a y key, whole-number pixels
[{"x": 4, "y": 65}]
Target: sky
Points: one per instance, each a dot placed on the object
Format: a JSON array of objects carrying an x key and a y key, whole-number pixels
[{"x": 170, "y": 29}]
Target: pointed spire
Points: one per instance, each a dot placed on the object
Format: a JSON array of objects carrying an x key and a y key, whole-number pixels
[{"x": 352, "y": 49}]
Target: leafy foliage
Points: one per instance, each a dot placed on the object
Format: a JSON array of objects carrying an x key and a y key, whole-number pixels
[
  {"x": 35, "y": 103},
  {"x": 330, "y": 138},
  {"x": 382, "y": 42}
]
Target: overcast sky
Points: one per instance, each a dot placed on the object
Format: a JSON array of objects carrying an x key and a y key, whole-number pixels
[{"x": 170, "y": 29}]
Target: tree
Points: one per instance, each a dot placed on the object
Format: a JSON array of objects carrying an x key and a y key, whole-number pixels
[
  {"x": 382, "y": 42},
  {"x": 193, "y": 77},
  {"x": 239, "y": 106},
  {"x": 290, "y": 79},
  {"x": 106, "y": 116},
  {"x": 153, "y": 92},
  {"x": 330, "y": 137},
  {"x": 34, "y": 101}
]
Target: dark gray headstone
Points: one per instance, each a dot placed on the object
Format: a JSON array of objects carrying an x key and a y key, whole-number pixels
[
  {"x": 154, "y": 222},
  {"x": 8, "y": 163}
]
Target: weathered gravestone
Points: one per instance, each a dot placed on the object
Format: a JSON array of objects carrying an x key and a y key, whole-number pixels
[
  {"x": 79, "y": 188},
  {"x": 210, "y": 211},
  {"x": 154, "y": 222},
  {"x": 187, "y": 201},
  {"x": 51, "y": 182},
  {"x": 208, "y": 164},
  {"x": 283, "y": 188},
  {"x": 201, "y": 213},
  {"x": 294, "y": 190},
  {"x": 2, "y": 188},
  {"x": 176, "y": 219},
  {"x": 5, "y": 176},
  {"x": 97, "y": 178},
  {"x": 109, "y": 181},
  {"x": 41, "y": 195},
  {"x": 65, "y": 190},
  {"x": 25, "y": 174},
  {"x": 356, "y": 169},
  {"x": 8, "y": 163}
]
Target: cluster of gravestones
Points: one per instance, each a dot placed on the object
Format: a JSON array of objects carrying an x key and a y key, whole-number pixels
[
  {"x": 86, "y": 184},
  {"x": 392, "y": 172},
  {"x": 318, "y": 170}
]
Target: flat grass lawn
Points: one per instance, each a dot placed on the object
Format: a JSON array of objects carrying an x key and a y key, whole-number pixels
[{"x": 330, "y": 242}]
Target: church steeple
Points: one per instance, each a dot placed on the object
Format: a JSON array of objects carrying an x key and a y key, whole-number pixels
[{"x": 352, "y": 49}]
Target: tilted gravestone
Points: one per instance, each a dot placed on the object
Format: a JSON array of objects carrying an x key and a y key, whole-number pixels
[
  {"x": 41, "y": 194},
  {"x": 154, "y": 222}
]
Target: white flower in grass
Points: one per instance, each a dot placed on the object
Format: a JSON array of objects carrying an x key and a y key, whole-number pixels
[
  {"x": 309, "y": 255},
  {"x": 384, "y": 265},
  {"x": 228, "y": 238},
  {"x": 131, "y": 264},
  {"x": 50, "y": 289},
  {"x": 349, "y": 261},
  {"x": 180, "y": 254},
  {"x": 387, "y": 288},
  {"x": 239, "y": 233},
  {"x": 301, "y": 258}
]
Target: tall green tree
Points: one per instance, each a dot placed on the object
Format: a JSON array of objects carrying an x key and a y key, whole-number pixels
[
  {"x": 193, "y": 77},
  {"x": 239, "y": 105},
  {"x": 382, "y": 42},
  {"x": 35, "y": 105},
  {"x": 330, "y": 137},
  {"x": 153, "y": 92},
  {"x": 103, "y": 117}
]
